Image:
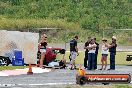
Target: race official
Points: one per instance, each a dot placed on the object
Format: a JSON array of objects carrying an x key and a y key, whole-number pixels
[{"x": 112, "y": 50}]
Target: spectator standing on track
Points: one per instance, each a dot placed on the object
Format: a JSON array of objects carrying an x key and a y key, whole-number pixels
[
  {"x": 91, "y": 54},
  {"x": 112, "y": 50},
  {"x": 86, "y": 52},
  {"x": 104, "y": 52},
  {"x": 96, "y": 53},
  {"x": 42, "y": 46},
  {"x": 73, "y": 52}
]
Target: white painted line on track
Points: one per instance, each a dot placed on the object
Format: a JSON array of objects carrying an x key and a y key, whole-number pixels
[
  {"x": 52, "y": 84},
  {"x": 45, "y": 84}
]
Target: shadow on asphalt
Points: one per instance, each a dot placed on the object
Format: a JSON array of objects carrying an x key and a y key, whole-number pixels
[{"x": 129, "y": 65}]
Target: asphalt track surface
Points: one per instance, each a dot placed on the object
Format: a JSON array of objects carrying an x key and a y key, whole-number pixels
[{"x": 58, "y": 78}]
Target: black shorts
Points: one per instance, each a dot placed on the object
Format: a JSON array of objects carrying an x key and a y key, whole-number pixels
[{"x": 104, "y": 55}]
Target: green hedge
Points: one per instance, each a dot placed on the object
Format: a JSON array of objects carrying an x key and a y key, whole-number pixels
[{"x": 89, "y": 14}]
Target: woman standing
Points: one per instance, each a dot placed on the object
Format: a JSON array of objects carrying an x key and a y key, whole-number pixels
[
  {"x": 42, "y": 46},
  {"x": 104, "y": 54}
]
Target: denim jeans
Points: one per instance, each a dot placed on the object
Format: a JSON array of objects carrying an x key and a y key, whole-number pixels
[
  {"x": 91, "y": 59},
  {"x": 86, "y": 59},
  {"x": 95, "y": 61},
  {"x": 112, "y": 60}
]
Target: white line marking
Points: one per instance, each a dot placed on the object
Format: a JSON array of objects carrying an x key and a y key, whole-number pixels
[
  {"x": 45, "y": 84},
  {"x": 51, "y": 84}
]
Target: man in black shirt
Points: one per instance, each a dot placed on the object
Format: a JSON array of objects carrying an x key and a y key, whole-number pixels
[
  {"x": 73, "y": 51},
  {"x": 112, "y": 50},
  {"x": 96, "y": 53},
  {"x": 86, "y": 52}
]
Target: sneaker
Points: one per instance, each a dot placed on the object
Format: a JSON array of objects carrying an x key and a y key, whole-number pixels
[
  {"x": 75, "y": 67},
  {"x": 85, "y": 68},
  {"x": 88, "y": 69},
  {"x": 104, "y": 69},
  {"x": 71, "y": 68},
  {"x": 93, "y": 69}
]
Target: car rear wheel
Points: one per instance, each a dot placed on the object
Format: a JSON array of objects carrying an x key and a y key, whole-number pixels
[
  {"x": 4, "y": 61},
  {"x": 81, "y": 80}
]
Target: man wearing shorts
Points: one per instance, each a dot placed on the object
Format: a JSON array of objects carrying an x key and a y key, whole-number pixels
[{"x": 73, "y": 51}]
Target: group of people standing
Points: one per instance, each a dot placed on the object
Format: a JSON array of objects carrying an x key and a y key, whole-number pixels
[{"x": 91, "y": 53}]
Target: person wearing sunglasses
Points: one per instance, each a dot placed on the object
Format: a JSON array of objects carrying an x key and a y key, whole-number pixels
[{"x": 42, "y": 46}]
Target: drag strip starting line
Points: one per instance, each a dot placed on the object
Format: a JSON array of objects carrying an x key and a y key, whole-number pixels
[{"x": 23, "y": 71}]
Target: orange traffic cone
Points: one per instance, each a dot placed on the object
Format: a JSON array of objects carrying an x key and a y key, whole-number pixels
[
  {"x": 81, "y": 71},
  {"x": 30, "y": 70}
]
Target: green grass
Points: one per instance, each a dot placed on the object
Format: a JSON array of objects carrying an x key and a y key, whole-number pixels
[
  {"x": 99, "y": 86},
  {"x": 22, "y": 24},
  {"x": 97, "y": 14},
  {"x": 11, "y": 67},
  {"x": 122, "y": 86},
  {"x": 92, "y": 16},
  {"x": 67, "y": 32},
  {"x": 120, "y": 58}
]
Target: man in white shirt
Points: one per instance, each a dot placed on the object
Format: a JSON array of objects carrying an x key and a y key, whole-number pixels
[{"x": 91, "y": 54}]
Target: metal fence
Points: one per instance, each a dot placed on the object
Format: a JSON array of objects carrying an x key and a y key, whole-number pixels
[{"x": 81, "y": 47}]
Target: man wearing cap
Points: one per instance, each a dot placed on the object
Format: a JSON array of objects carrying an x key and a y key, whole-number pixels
[
  {"x": 112, "y": 50},
  {"x": 73, "y": 51}
]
